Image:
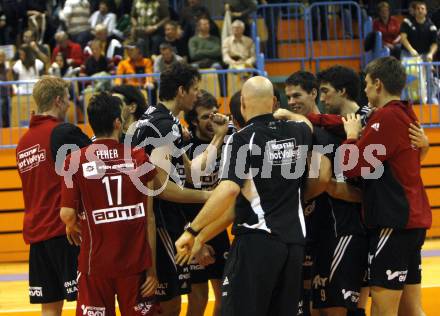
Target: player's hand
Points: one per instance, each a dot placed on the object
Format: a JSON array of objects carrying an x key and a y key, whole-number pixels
[
  {"x": 186, "y": 134},
  {"x": 429, "y": 57},
  {"x": 414, "y": 53},
  {"x": 73, "y": 233},
  {"x": 417, "y": 136},
  {"x": 183, "y": 246},
  {"x": 148, "y": 288},
  {"x": 220, "y": 123},
  {"x": 191, "y": 255},
  {"x": 205, "y": 256},
  {"x": 352, "y": 125}
]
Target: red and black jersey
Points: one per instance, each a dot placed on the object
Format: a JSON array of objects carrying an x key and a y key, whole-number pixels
[
  {"x": 35, "y": 155},
  {"x": 113, "y": 209},
  {"x": 397, "y": 198}
]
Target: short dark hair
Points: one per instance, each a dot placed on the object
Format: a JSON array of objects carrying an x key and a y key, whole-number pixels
[
  {"x": 173, "y": 23},
  {"x": 204, "y": 100},
  {"x": 306, "y": 80},
  {"x": 131, "y": 95},
  {"x": 390, "y": 72},
  {"x": 103, "y": 110},
  {"x": 178, "y": 75},
  {"x": 235, "y": 108},
  {"x": 341, "y": 77}
]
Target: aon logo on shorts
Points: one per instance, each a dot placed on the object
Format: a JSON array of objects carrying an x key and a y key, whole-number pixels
[
  {"x": 93, "y": 310},
  {"x": 401, "y": 275}
]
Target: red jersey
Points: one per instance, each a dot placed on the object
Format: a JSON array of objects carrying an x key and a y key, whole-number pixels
[
  {"x": 113, "y": 222},
  {"x": 41, "y": 184},
  {"x": 390, "y": 31},
  {"x": 396, "y": 199}
]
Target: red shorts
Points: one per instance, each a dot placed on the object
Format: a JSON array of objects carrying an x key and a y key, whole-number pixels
[{"x": 96, "y": 296}]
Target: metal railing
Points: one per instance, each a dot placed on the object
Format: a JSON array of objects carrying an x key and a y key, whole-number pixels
[
  {"x": 322, "y": 31},
  {"x": 16, "y": 109},
  {"x": 286, "y": 31},
  {"x": 423, "y": 89}
]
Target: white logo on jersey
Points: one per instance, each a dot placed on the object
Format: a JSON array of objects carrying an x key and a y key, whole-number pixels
[
  {"x": 116, "y": 214},
  {"x": 30, "y": 158},
  {"x": 282, "y": 152},
  {"x": 375, "y": 126},
  {"x": 36, "y": 291},
  {"x": 90, "y": 169},
  {"x": 401, "y": 274},
  {"x": 93, "y": 310},
  {"x": 226, "y": 281}
]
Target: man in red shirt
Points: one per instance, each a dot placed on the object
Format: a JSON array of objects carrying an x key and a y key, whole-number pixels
[
  {"x": 71, "y": 50},
  {"x": 113, "y": 220},
  {"x": 395, "y": 204},
  {"x": 51, "y": 280}
]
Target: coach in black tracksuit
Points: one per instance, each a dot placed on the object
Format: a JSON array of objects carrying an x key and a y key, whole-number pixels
[{"x": 262, "y": 171}]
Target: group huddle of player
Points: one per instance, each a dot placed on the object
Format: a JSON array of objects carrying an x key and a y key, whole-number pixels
[{"x": 148, "y": 201}]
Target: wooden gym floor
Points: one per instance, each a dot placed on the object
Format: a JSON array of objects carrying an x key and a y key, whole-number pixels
[{"x": 14, "y": 300}]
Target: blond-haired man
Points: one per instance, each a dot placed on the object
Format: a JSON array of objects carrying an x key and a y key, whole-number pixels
[{"x": 52, "y": 261}]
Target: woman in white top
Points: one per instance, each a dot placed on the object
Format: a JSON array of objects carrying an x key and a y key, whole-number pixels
[{"x": 27, "y": 68}]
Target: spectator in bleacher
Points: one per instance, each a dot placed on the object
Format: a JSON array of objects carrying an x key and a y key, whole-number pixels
[
  {"x": 419, "y": 34},
  {"x": 172, "y": 38},
  {"x": 72, "y": 51},
  {"x": 135, "y": 64},
  {"x": 242, "y": 9},
  {"x": 5, "y": 75},
  {"x": 60, "y": 68},
  {"x": 27, "y": 68},
  {"x": 238, "y": 50},
  {"x": 147, "y": 19},
  {"x": 76, "y": 14},
  {"x": 97, "y": 62},
  {"x": 37, "y": 19},
  {"x": 204, "y": 49},
  {"x": 111, "y": 47},
  {"x": 105, "y": 17},
  {"x": 389, "y": 26},
  {"x": 167, "y": 58},
  {"x": 190, "y": 14},
  {"x": 40, "y": 50}
]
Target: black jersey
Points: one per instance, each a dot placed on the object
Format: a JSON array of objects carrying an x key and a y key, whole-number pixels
[
  {"x": 159, "y": 127},
  {"x": 267, "y": 159},
  {"x": 207, "y": 181},
  {"x": 345, "y": 217}
]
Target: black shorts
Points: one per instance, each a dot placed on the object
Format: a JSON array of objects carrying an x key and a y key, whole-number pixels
[
  {"x": 395, "y": 257},
  {"x": 174, "y": 280},
  {"x": 53, "y": 271},
  {"x": 262, "y": 277},
  {"x": 339, "y": 270},
  {"x": 200, "y": 274}
]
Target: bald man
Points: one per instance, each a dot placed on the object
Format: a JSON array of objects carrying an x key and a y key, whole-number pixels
[{"x": 262, "y": 175}]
